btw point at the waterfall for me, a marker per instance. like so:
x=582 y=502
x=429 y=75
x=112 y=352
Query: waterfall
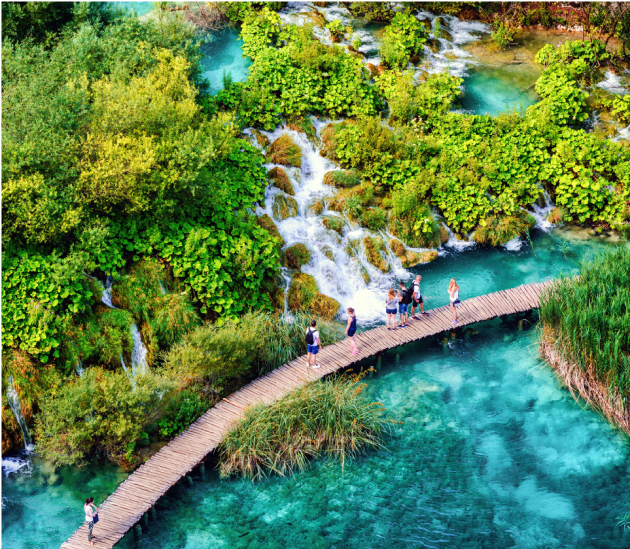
x=14 y=402
x=80 y=368
x=107 y=292
x=139 y=354
x=122 y=362
x=540 y=213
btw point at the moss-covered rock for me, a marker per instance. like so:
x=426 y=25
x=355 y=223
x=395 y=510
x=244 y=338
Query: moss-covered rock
x=373 y=70
x=267 y=223
x=375 y=252
x=342 y=178
x=261 y=139
x=304 y=296
x=501 y=229
x=294 y=257
x=353 y=247
x=279 y=178
x=364 y=274
x=316 y=207
x=334 y=223
x=409 y=258
x=327 y=251
x=284 y=151
x=303 y=124
x=283 y=207
x=444 y=236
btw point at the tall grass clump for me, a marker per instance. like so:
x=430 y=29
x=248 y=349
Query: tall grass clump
x=331 y=417
x=586 y=333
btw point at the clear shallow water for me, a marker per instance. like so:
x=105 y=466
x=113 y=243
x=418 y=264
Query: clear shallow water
x=489 y=90
x=492 y=453
x=224 y=53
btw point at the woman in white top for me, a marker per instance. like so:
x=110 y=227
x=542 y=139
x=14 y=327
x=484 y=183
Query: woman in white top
x=391 y=304
x=90 y=511
x=453 y=292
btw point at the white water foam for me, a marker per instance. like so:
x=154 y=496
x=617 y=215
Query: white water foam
x=514 y=245
x=139 y=354
x=612 y=84
x=16 y=407
x=12 y=465
x=107 y=292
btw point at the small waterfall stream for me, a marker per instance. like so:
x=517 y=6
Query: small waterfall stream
x=14 y=402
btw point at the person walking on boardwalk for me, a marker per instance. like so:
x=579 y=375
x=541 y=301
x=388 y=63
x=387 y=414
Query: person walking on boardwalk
x=417 y=299
x=453 y=293
x=391 y=304
x=351 y=329
x=91 y=513
x=404 y=300
x=312 y=344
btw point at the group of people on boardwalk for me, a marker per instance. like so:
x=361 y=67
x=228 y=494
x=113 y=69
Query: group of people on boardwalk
x=400 y=303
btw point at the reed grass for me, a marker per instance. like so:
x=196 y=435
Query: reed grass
x=585 y=324
x=323 y=418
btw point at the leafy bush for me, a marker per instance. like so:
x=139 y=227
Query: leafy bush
x=336 y=28
x=586 y=319
x=283 y=436
x=342 y=178
x=411 y=220
x=260 y=30
x=621 y=108
x=372 y=11
x=374 y=219
x=500 y=230
x=503 y=34
x=97 y=414
x=591 y=52
x=183 y=409
x=562 y=95
x=403 y=39
x=304 y=296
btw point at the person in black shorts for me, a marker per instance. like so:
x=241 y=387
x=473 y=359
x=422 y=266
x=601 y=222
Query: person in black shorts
x=404 y=300
x=351 y=329
x=417 y=299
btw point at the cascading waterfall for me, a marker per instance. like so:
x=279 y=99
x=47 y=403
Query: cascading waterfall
x=107 y=293
x=139 y=354
x=540 y=213
x=338 y=262
x=14 y=402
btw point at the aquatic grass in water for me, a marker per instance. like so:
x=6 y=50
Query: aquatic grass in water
x=586 y=332
x=329 y=417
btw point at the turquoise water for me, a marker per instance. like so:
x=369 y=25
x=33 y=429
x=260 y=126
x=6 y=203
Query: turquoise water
x=489 y=90
x=224 y=53
x=141 y=8
x=492 y=453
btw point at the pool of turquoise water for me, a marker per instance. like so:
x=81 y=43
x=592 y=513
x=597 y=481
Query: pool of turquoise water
x=492 y=90
x=223 y=54
x=492 y=452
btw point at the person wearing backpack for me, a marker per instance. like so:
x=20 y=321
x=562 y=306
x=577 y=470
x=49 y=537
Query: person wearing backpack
x=417 y=299
x=404 y=300
x=312 y=344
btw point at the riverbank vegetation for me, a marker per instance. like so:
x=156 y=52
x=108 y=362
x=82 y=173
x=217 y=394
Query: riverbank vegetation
x=119 y=165
x=323 y=418
x=585 y=334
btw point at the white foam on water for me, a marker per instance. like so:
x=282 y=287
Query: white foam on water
x=12 y=465
x=514 y=245
x=456 y=244
x=16 y=407
x=107 y=292
x=612 y=84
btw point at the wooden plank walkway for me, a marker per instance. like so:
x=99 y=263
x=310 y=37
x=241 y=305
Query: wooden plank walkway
x=136 y=495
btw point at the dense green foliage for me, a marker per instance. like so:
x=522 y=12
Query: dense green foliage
x=403 y=40
x=101 y=413
x=329 y=417
x=588 y=321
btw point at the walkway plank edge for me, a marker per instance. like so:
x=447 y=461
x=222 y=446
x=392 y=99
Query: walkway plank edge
x=141 y=490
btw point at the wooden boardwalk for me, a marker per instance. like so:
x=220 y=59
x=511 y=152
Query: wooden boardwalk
x=136 y=495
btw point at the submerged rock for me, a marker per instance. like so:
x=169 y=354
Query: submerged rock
x=284 y=206
x=279 y=178
x=375 y=252
x=316 y=207
x=267 y=223
x=294 y=257
x=304 y=296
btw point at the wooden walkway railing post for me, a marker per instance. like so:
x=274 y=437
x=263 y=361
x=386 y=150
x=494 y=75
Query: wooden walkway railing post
x=138 y=494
